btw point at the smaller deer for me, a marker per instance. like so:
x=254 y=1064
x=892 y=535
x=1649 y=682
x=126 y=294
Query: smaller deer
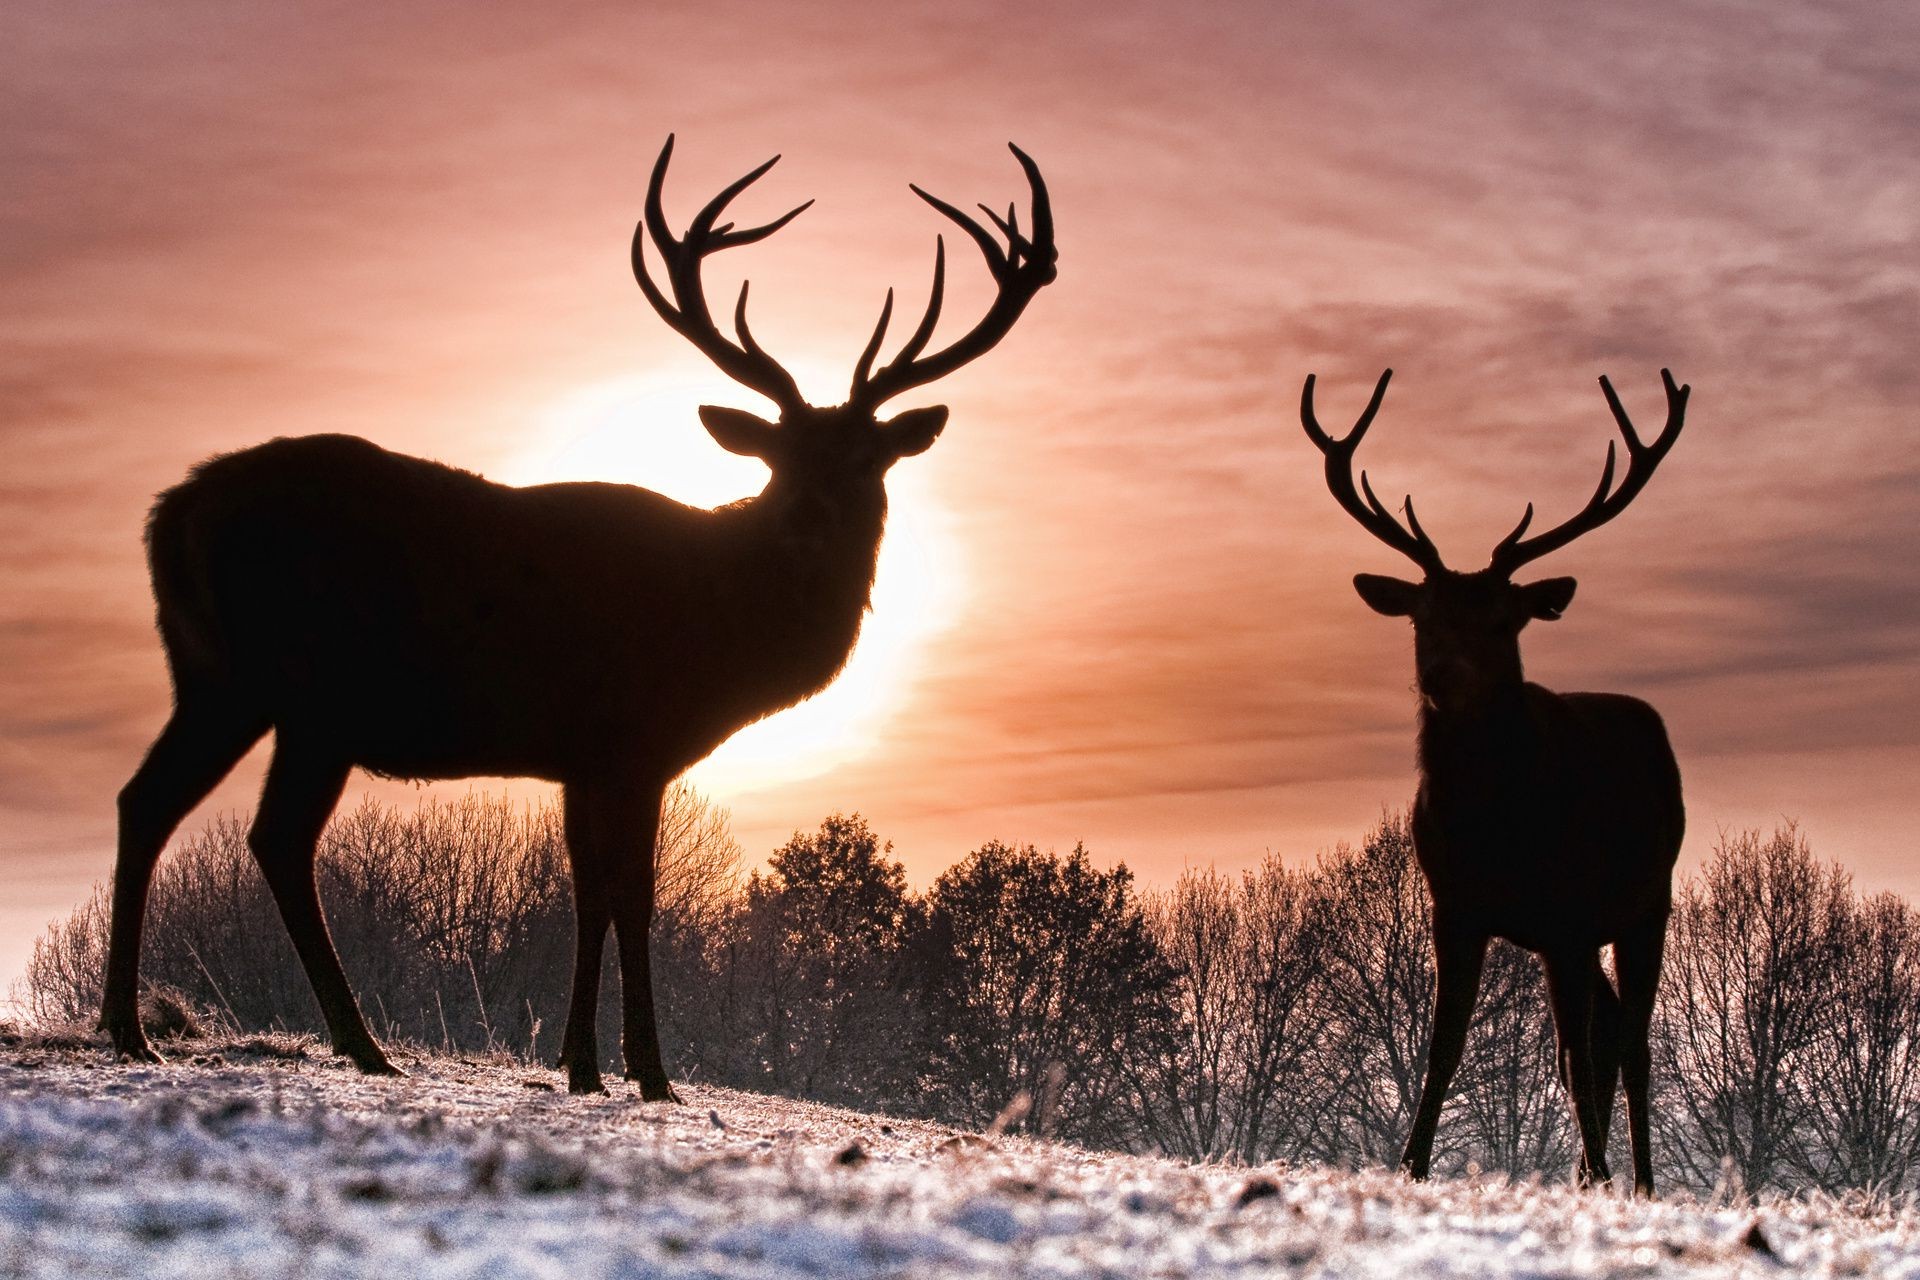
x=1552 y=820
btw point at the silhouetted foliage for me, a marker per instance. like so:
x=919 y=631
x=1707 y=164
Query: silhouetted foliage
x=1044 y=991
x=806 y=973
x=1235 y=1075
x=1758 y=951
x=454 y=922
x=1281 y=1014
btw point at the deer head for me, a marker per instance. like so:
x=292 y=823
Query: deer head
x=1467 y=625
x=845 y=442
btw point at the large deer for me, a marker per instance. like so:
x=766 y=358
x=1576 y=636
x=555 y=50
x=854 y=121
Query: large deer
x=392 y=613
x=1552 y=820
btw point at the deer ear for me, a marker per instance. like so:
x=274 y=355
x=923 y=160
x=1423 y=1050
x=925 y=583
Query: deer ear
x=738 y=431
x=1548 y=598
x=914 y=431
x=1390 y=596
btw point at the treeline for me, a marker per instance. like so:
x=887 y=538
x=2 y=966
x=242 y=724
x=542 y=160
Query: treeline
x=1279 y=1014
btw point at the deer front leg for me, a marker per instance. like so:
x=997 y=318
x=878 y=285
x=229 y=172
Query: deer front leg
x=632 y=824
x=1570 y=986
x=1637 y=957
x=1458 y=955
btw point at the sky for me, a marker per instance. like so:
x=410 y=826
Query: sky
x=1114 y=604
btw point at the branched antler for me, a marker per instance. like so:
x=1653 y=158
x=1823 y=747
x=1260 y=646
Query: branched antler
x=688 y=313
x=1020 y=269
x=1603 y=506
x=1411 y=540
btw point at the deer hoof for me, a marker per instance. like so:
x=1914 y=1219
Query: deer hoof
x=372 y=1062
x=130 y=1045
x=656 y=1089
x=584 y=1082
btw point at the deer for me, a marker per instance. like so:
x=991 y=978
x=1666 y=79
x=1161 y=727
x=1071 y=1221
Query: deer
x=395 y=614
x=1551 y=820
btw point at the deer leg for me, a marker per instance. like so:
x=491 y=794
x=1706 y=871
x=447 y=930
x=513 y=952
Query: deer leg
x=201 y=741
x=299 y=794
x=629 y=822
x=580 y=1045
x=1570 y=986
x=1458 y=956
x=1636 y=958
x=1603 y=1044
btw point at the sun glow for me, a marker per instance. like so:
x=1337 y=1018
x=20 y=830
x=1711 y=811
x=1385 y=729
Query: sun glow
x=644 y=430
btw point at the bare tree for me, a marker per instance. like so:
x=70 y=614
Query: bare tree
x=1245 y=957
x=1376 y=959
x=1759 y=945
x=1863 y=1070
x=1507 y=1113
x=452 y=920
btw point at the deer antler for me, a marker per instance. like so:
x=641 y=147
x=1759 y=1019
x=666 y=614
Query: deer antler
x=1371 y=513
x=1020 y=269
x=1603 y=506
x=687 y=314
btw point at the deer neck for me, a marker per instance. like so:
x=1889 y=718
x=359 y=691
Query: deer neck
x=816 y=545
x=1481 y=740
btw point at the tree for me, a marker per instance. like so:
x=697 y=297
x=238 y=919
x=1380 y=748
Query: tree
x=453 y=920
x=1377 y=984
x=808 y=967
x=1863 y=1069
x=1756 y=954
x=1245 y=958
x=1044 y=992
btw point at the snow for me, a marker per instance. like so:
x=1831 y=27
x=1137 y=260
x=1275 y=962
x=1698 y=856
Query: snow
x=270 y=1157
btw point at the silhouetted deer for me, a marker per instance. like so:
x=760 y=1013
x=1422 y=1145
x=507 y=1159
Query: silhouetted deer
x=1551 y=820
x=393 y=613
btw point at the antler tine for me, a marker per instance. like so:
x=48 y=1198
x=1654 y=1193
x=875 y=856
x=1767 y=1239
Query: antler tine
x=1642 y=459
x=935 y=296
x=687 y=313
x=923 y=331
x=865 y=366
x=1020 y=269
x=1362 y=504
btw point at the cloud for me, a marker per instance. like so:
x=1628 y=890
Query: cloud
x=228 y=225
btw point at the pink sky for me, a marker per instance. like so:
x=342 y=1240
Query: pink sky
x=1119 y=608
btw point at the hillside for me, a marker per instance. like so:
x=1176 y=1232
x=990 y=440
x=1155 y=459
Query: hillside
x=266 y=1157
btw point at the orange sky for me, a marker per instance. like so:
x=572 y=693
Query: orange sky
x=1116 y=608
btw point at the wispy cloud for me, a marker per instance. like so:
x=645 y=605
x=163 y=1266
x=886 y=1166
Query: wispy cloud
x=226 y=223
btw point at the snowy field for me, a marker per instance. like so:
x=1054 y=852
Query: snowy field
x=270 y=1158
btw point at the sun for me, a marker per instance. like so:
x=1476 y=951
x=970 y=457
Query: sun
x=643 y=430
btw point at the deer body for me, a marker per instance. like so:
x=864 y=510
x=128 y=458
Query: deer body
x=1551 y=820
x=395 y=614
x=1548 y=819
x=426 y=623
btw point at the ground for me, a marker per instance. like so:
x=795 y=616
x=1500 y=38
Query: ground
x=266 y=1156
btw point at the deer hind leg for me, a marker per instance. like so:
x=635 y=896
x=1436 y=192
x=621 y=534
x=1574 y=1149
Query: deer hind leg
x=1458 y=956
x=299 y=794
x=1636 y=958
x=592 y=913
x=1603 y=1044
x=202 y=741
x=1570 y=986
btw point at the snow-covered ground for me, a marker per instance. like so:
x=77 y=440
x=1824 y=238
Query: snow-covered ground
x=255 y=1158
